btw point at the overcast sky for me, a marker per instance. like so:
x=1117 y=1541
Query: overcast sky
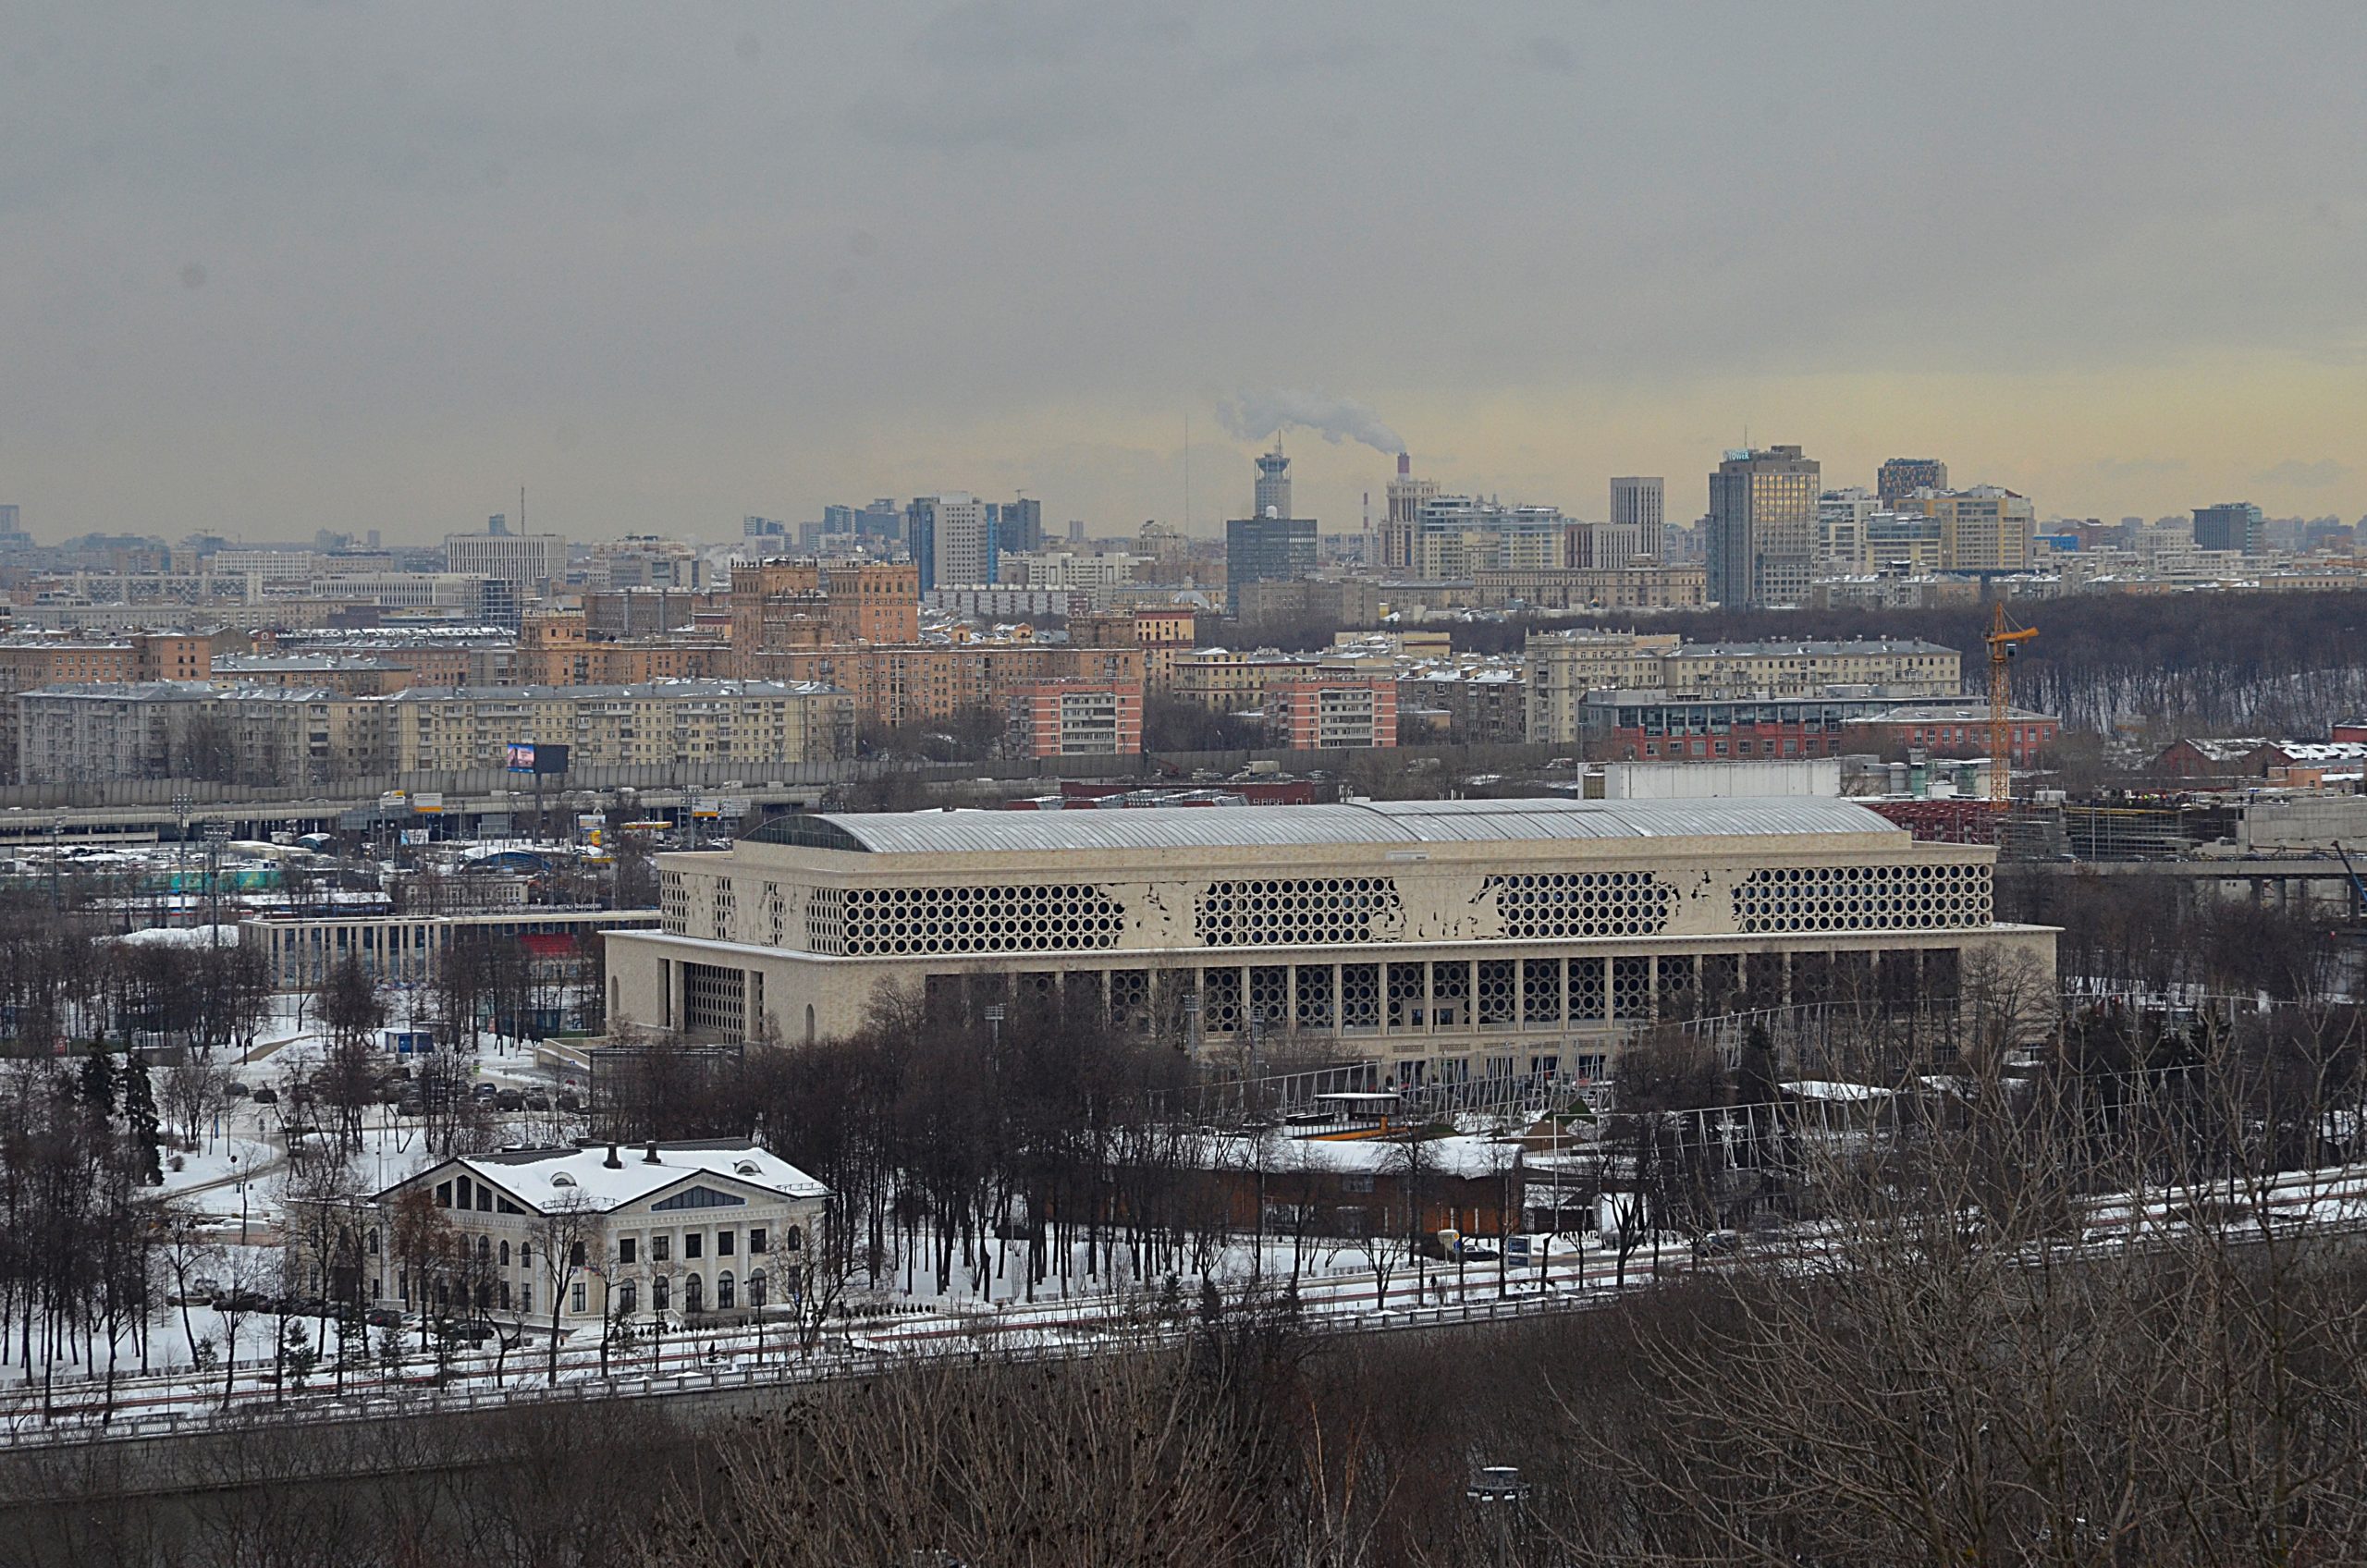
x=269 y=265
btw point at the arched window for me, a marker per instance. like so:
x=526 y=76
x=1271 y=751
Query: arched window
x=505 y=1253
x=484 y=1248
x=659 y=1290
x=809 y=1024
x=723 y=1292
x=693 y=1294
x=796 y=1237
x=757 y=1288
x=627 y=1298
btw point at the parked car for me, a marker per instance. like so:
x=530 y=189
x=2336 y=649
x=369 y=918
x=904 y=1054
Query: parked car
x=485 y=1091
x=235 y=1089
x=538 y=1099
x=384 y=1317
x=510 y=1099
x=267 y=1096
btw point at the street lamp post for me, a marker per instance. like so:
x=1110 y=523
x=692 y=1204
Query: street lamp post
x=1500 y=1496
x=1257 y=1124
x=239 y=1181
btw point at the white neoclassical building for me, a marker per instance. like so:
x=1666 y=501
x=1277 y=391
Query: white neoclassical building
x=688 y=1229
x=1450 y=939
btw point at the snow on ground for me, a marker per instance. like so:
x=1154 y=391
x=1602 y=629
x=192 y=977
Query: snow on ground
x=183 y=937
x=209 y=1175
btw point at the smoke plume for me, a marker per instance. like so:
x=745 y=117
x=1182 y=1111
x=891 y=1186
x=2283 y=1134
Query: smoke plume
x=1252 y=416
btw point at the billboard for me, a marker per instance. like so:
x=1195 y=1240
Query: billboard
x=427 y=803
x=525 y=756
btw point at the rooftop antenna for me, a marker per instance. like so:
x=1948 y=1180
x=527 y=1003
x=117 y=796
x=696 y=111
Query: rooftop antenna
x=521 y=508
x=1187 y=473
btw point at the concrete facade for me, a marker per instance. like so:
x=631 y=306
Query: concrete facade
x=1430 y=934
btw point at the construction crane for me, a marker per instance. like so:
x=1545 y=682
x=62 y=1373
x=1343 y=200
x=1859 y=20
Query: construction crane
x=2004 y=641
x=2358 y=882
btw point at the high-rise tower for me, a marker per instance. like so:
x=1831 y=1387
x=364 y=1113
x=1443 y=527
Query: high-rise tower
x=1273 y=495
x=1403 y=522
x=1762 y=527
x=1637 y=503
x=1901 y=477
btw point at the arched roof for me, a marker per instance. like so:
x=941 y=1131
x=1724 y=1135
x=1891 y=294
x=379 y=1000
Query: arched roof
x=1371 y=822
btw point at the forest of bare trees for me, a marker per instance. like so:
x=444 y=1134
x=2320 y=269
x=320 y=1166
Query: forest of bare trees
x=2094 y=1308
x=2204 y=663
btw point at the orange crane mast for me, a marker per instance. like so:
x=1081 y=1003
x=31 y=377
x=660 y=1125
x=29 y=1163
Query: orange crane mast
x=2004 y=641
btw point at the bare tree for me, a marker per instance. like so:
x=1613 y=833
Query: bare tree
x=568 y=1233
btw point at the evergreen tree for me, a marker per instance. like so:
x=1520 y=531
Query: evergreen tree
x=98 y=1085
x=140 y=1118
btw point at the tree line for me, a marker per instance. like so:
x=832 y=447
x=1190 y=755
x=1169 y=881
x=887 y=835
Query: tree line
x=2059 y=1315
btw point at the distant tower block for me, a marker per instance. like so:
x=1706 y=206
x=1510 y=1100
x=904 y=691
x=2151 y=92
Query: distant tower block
x=1273 y=498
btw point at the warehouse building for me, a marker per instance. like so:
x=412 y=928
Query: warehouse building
x=1451 y=939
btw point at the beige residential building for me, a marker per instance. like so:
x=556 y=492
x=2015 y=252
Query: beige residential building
x=1986 y=527
x=1234 y=680
x=1563 y=667
x=663 y=721
x=1905 y=666
x=190 y=730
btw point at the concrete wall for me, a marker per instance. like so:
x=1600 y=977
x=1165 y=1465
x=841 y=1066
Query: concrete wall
x=1705 y=780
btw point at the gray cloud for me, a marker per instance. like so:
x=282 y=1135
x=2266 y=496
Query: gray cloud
x=433 y=235
x=956 y=124
x=1252 y=416
x=2304 y=476
x=1549 y=54
x=2122 y=470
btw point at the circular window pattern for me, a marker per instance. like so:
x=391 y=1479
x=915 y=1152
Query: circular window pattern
x=1583 y=904
x=1333 y=910
x=1058 y=917
x=1862 y=898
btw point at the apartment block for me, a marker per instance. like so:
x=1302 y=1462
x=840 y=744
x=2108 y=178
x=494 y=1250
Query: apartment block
x=1332 y=713
x=1073 y=718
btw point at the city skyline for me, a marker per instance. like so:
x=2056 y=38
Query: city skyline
x=373 y=271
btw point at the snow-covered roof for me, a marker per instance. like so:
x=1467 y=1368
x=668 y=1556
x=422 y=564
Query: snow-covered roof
x=1457 y=1154
x=1363 y=821
x=1825 y=1089
x=543 y=1179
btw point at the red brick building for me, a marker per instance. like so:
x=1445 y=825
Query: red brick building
x=1954 y=730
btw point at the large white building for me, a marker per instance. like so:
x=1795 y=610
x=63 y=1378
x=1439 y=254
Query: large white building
x=1451 y=938
x=675 y=1230
x=527 y=559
